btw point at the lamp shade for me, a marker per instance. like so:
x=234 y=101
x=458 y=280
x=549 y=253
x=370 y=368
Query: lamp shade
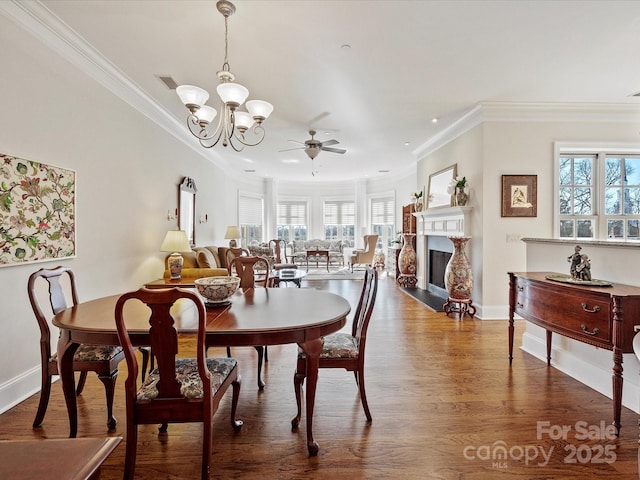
x=233 y=93
x=192 y=95
x=243 y=121
x=206 y=114
x=259 y=109
x=175 y=241
x=232 y=232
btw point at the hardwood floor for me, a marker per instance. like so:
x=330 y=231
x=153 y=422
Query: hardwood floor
x=441 y=393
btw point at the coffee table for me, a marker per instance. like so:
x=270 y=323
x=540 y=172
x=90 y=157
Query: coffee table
x=317 y=254
x=280 y=277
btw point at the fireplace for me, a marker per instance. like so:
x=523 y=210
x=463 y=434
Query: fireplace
x=439 y=251
x=437 y=265
x=434 y=249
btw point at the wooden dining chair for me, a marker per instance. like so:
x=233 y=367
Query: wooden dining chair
x=103 y=360
x=344 y=350
x=179 y=389
x=254 y=271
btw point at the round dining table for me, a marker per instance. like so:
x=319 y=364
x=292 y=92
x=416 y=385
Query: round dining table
x=260 y=316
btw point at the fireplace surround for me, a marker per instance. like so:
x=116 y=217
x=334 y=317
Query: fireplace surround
x=433 y=247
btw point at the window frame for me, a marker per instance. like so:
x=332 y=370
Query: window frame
x=384 y=196
x=292 y=227
x=600 y=151
x=246 y=237
x=340 y=227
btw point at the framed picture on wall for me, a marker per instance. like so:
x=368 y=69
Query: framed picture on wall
x=519 y=195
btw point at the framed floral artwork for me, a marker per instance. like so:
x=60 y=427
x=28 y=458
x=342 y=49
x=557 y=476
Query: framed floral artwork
x=519 y=195
x=37 y=212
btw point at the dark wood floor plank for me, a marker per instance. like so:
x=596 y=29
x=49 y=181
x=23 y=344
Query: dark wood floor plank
x=437 y=387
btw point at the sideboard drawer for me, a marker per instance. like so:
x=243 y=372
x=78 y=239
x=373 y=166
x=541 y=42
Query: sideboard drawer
x=583 y=317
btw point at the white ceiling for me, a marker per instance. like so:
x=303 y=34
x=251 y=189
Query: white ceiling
x=408 y=62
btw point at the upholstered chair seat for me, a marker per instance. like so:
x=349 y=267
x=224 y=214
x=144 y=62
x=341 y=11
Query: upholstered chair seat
x=189 y=378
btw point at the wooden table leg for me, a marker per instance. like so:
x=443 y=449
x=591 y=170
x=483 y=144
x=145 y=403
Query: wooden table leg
x=66 y=351
x=312 y=350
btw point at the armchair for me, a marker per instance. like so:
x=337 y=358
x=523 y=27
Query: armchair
x=364 y=257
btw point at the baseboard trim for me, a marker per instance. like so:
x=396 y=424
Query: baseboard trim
x=19 y=388
x=592 y=375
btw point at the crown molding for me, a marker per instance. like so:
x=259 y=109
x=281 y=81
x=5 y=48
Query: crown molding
x=40 y=22
x=471 y=119
x=560 y=112
x=530 y=112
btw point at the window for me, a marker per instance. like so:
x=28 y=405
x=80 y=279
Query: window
x=292 y=220
x=383 y=220
x=250 y=219
x=599 y=196
x=339 y=220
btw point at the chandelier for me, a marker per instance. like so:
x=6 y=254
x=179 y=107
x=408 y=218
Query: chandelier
x=232 y=123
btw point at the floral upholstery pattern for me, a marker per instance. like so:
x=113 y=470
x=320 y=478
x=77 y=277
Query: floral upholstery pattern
x=299 y=249
x=94 y=353
x=187 y=375
x=337 y=345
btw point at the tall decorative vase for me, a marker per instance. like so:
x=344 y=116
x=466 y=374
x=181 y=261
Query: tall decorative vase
x=458 y=279
x=461 y=197
x=406 y=264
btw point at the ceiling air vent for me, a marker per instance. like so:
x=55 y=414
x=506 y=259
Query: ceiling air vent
x=168 y=81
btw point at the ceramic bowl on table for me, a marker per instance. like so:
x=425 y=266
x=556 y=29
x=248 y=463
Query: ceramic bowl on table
x=217 y=290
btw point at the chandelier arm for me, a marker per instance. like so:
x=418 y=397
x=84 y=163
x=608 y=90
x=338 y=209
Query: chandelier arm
x=257 y=130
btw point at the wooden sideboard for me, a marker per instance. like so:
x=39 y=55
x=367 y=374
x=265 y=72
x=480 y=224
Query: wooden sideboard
x=599 y=316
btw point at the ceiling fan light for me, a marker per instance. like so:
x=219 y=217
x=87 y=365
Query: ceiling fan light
x=243 y=121
x=206 y=114
x=232 y=94
x=312 y=152
x=259 y=109
x=193 y=97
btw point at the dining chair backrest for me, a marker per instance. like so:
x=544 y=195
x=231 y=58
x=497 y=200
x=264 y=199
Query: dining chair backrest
x=365 y=308
x=163 y=338
x=57 y=299
x=252 y=271
x=233 y=253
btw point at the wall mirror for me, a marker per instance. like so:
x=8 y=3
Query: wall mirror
x=187 y=208
x=437 y=195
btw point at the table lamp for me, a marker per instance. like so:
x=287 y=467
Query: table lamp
x=175 y=241
x=232 y=233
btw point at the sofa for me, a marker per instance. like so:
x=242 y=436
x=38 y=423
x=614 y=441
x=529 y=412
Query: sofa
x=201 y=262
x=297 y=250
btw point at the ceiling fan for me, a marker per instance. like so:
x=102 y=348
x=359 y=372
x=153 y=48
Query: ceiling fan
x=312 y=147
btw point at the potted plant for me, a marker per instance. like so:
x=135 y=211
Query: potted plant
x=417 y=200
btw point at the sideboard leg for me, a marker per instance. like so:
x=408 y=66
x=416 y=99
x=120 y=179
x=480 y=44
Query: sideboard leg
x=549 y=333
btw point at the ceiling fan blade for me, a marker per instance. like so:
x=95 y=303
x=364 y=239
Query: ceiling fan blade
x=334 y=150
x=289 y=149
x=330 y=142
x=296 y=141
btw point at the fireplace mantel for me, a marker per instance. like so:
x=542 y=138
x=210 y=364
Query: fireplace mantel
x=447 y=221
